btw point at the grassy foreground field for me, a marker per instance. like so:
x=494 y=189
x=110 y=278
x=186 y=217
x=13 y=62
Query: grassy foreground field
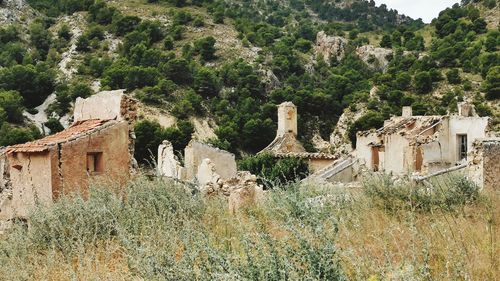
x=158 y=231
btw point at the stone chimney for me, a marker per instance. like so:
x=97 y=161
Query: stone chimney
x=287 y=119
x=407 y=111
x=466 y=109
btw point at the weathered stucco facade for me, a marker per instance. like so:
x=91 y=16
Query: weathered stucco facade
x=64 y=163
x=101 y=147
x=420 y=144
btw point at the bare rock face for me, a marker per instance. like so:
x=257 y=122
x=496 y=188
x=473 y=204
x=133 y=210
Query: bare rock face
x=330 y=46
x=376 y=58
x=339 y=139
x=16 y=11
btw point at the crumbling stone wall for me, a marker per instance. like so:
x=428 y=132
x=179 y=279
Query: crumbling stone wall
x=195 y=152
x=168 y=164
x=5 y=186
x=106 y=105
x=484 y=163
x=110 y=105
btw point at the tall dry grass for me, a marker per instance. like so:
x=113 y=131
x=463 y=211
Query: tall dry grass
x=160 y=231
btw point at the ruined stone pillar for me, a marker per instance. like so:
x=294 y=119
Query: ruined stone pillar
x=168 y=165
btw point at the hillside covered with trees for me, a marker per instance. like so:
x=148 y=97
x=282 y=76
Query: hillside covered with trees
x=232 y=62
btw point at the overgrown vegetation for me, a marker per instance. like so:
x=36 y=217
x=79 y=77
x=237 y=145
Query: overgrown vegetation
x=157 y=230
x=274 y=172
x=447 y=194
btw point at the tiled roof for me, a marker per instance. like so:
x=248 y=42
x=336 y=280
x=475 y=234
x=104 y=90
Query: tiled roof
x=76 y=130
x=308 y=155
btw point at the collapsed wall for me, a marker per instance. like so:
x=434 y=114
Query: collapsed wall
x=212 y=170
x=484 y=163
x=195 y=152
x=110 y=105
x=168 y=163
x=106 y=105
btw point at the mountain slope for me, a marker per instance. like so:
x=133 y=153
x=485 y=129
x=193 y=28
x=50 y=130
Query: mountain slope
x=226 y=64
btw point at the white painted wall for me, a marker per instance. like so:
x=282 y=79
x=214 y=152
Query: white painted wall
x=474 y=127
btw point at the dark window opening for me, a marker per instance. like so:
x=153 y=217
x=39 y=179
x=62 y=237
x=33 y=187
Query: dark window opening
x=94 y=163
x=462 y=147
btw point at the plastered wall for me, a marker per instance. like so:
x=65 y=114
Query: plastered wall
x=111 y=141
x=195 y=152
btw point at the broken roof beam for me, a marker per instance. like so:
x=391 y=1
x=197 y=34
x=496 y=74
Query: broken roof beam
x=441 y=172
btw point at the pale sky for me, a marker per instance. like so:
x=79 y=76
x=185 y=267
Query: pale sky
x=424 y=9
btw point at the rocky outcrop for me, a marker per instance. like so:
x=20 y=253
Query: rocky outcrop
x=16 y=11
x=339 y=139
x=330 y=46
x=375 y=58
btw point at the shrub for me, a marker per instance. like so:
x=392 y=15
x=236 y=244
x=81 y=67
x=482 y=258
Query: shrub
x=442 y=193
x=10 y=135
x=423 y=82
x=273 y=171
x=206 y=48
x=453 y=76
x=12 y=104
x=54 y=125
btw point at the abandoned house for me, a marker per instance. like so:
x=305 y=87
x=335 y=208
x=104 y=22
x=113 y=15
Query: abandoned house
x=421 y=144
x=65 y=162
x=286 y=144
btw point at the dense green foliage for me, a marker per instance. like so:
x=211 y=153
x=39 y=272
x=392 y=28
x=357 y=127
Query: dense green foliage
x=150 y=134
x=275 y=172
x=162 y=64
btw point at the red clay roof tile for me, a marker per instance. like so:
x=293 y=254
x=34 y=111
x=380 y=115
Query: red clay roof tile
x=77 y=129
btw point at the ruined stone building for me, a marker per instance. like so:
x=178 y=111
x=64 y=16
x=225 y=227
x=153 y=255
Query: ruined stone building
x=65 y=162
x=286 y=144
x=212 y=171
x=421 y=144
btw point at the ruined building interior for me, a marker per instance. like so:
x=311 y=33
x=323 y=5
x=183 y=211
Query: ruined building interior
x=421 y=144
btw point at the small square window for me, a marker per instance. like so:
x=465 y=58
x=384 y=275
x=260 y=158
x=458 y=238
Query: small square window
x=94 y=163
